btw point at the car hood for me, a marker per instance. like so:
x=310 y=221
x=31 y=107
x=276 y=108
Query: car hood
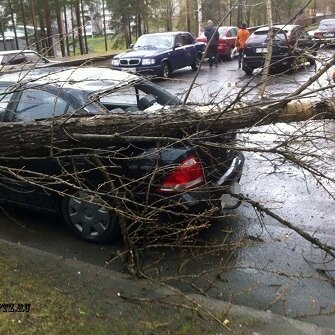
x=141 y=53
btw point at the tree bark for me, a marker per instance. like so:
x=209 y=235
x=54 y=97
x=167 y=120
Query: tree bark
x=29 y=139
x=268 y=57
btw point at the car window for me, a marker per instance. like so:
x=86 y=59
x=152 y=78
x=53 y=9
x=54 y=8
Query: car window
x=178 y=40
x=34 y=58
x=261 y=36
x=13 y=59
x=128 y=96
x=233 y=32
x=122 y=96
x=4 y=100
x=222 y=31
x=36 y=104
x=186 y=39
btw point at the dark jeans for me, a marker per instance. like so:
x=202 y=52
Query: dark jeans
x=212 y=53
x=240 y=56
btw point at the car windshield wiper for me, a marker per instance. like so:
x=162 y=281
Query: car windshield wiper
x=149 y=46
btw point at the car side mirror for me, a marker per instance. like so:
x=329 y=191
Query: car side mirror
x=178 y=45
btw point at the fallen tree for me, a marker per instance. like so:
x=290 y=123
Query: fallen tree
x=183 y=123
x=44 y=137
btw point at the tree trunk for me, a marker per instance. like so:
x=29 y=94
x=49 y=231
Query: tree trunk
x=60 y=28
x=47 y=137
x=268 y=57
x=13 y=24
x=79 y=26
x=48 y=23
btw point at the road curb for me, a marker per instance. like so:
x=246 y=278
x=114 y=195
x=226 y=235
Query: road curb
x=238 y=319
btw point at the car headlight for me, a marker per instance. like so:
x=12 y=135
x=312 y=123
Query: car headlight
x=148 y=61
x=115 y=62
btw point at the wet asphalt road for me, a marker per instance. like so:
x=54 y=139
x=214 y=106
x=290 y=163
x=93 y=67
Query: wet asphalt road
x=270 y=267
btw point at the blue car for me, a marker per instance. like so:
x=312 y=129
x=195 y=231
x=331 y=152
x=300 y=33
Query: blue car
x=160 y=54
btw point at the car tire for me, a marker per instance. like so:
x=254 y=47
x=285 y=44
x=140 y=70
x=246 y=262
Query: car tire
x=196 y=64
x=166 y=70
x=89 y=221
x=247 y=69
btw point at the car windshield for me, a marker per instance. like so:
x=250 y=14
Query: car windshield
x=326 y=25
x=129 y=96
x=154 y=41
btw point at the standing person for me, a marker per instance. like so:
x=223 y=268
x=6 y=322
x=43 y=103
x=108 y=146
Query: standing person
x=212 y=36
x=241 y=38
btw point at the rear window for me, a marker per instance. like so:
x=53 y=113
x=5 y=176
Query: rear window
x=13 y=59
x=261 y=36
x=222 y=31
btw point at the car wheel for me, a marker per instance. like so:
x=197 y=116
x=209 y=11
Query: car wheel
x=196 y=64
x=247 y=69
x=166 y=70
x=89 y=220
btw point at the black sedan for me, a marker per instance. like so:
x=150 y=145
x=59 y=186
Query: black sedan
x=292 y=46
x=92 y=187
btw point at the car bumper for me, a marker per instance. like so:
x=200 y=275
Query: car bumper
x=276 y=61
x=146 y=70
x=212 y=196
x=324 y=40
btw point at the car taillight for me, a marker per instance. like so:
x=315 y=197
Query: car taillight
x=188 y=174
x=318 y=34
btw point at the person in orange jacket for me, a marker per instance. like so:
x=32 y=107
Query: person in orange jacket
x=241 y=38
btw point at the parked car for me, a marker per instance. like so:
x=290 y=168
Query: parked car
x=160 y=54
x=226 y=42
x=13 y=60
x=175 y=178
x=292 y=46
x=326 y=31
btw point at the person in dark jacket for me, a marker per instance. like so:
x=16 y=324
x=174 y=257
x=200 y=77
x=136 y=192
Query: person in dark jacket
x=212 y=36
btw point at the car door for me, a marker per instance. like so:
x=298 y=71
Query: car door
x=189 y=49
x=231 y=37
x=177 y=56
x=19 y=180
